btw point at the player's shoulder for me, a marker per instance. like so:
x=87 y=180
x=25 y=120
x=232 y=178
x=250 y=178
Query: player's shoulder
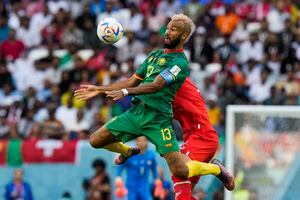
x=180 y=58
x=180 y=61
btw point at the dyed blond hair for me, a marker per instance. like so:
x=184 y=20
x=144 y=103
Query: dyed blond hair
x=189 y=26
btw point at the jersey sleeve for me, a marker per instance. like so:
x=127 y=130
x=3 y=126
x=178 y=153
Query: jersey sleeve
x=177 y=71
x=141 y=71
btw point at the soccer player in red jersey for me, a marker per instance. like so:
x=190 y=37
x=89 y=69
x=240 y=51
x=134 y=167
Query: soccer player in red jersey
x=200 y=139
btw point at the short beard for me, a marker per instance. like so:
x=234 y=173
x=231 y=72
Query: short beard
x=173 y=43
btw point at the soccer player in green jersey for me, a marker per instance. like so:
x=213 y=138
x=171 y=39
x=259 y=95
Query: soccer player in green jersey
x=153 y=88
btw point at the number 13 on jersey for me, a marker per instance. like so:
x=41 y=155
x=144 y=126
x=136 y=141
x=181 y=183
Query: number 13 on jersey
x=166 y=134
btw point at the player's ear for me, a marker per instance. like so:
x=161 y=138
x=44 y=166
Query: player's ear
x=184 y=36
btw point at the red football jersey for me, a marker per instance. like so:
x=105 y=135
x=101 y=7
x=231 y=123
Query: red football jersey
x=190 y=110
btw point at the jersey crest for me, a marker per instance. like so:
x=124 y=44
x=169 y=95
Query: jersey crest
x=162 y=61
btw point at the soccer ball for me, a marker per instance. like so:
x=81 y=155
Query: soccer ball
x=109 y=31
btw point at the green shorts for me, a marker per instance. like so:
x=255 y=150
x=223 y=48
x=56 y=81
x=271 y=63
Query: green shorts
x=142 y=120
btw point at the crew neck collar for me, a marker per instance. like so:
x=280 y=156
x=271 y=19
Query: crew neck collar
x=173 y=50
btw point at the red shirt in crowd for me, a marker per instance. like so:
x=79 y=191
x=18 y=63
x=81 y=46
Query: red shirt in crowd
x=11 y=49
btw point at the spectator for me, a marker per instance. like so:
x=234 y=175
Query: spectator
x=11 y=48
x=241 y=33
x=194 y=10
x=226 y=51
x=81 y=122
x=65 y=82
x=261 y=90
x=30 y=98
x=277 y=97
x=4 y=28
x=51 y=34
x=52 y=128
x=4 y=127
x=76 y=72
x=18 y=188
x=96 y=7
x=252 y=70
x=84 y=17
x=295 y=48
x=169 y=7
x=262 y=9
x=289 y=84
x=227 y=23
x=287 y=35
x=214 y=111
x=90 y=38
x=251 y=49
x=90 y=110
x=201 y=50
x=28 y=35
x=26 y=123
x=111 y=10
x=41 y=19
x=155 y=20
x=6 y=76
x=15 y=13
x=55 y=95
x=277 y=17
x=98 y=187
x=134 y=22
x=138 y=168
x=72 y=35
x=8 y=95
x=52 y=73
x=274 y=53
x=67 y=115
x=145 y=32
x=33 y=7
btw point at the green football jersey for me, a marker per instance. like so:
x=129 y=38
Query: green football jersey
x=173 y=67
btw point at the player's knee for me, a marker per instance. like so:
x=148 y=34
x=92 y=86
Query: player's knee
x=96 y=140
x=180 y=171
x=93 y=141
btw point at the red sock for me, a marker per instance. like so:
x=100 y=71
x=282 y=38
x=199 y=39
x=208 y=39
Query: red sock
x=193 y=198
x=182 y=188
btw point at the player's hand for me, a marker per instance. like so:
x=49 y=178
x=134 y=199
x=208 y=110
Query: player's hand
x=115 y=94
x=86 y=92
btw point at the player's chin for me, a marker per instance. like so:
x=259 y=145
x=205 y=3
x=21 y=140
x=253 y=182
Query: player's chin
x=167 y=45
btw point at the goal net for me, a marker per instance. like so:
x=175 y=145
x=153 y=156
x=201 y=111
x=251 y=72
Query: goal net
x=262 y=150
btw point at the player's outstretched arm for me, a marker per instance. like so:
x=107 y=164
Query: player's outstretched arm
x=158 y=83
x=89 y=91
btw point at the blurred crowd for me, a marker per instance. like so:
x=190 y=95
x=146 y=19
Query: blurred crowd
x=242 y=52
